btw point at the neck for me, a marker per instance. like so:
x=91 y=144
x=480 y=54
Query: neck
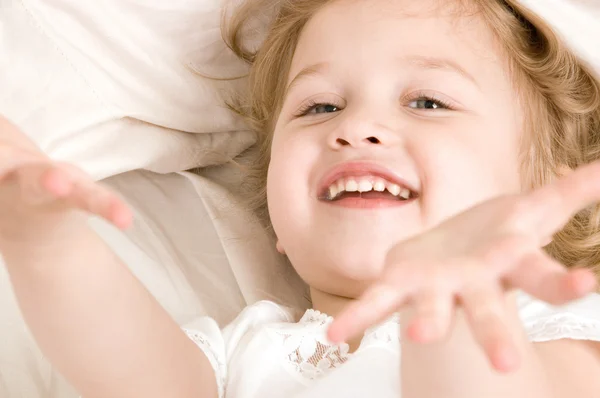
x=332 y=305
x=327 y=303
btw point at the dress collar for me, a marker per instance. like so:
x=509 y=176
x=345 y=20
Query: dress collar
x=385 y=334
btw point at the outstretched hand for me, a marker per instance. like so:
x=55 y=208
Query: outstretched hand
x=471 y=260
x=33 y=186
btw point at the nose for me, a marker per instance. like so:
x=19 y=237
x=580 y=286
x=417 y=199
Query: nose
x=359 y=135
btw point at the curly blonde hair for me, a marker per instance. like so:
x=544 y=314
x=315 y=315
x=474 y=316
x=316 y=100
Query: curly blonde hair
x=560 y=94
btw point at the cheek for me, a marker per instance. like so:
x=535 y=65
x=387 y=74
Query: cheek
x=459 y=172
x=288 y=185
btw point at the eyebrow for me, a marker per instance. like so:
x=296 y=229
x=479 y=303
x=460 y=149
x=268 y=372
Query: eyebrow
x=309 y=71
x=420 y=61
x=426 y=62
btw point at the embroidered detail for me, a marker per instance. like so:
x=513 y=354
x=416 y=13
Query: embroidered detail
x=310 y=355
x=563 y=326
x=315 y=317
x=386 y=335
x=219 y=366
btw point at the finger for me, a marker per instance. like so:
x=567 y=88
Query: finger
x=377 y=304
x=11 y=159
x=541 y=276
x=42 y=183
x=120 y=214
x=554 y=204
x=79 y=191
x=499 y=256
x=486 y=312
x=433 y=313
x=96 y=199
x=56 y=182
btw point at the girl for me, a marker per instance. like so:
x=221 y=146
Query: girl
x=402 y=139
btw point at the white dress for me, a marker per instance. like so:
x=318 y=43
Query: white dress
x=271 y=351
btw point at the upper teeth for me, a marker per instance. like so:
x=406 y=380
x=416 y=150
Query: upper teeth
x=366 y=184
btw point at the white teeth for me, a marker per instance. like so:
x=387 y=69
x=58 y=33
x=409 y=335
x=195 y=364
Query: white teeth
x=365 y=186
x=351 y=186
x=379 y=186
x=394 y=189
x=333 y=191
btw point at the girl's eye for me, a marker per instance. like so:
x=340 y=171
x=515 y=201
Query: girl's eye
x=326 y=108
x=428 y=103
x=317 y=109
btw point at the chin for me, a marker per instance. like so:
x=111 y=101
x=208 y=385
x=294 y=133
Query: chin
x=366 y=271
x=350 y=279
x=343 y=287
x=346 y=276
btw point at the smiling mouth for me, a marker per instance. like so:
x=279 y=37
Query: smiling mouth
x=366 y=188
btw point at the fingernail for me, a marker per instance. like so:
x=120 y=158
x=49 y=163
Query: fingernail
x=120 y=216
x=506 y=359
x=332 y=336
x=422 y=332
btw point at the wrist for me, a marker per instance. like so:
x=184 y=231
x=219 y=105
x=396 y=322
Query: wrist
x=36 y=233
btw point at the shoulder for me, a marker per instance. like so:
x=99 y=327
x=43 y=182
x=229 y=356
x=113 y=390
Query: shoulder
x=255 y=316
x=219 y=345
x=207 y=333
x=579 y=320
x=267 y=312
x=567 y=342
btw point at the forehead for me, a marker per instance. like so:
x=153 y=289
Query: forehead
x=366 y=33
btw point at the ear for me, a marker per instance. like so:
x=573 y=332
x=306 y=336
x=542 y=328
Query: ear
x=564 y=170
x=279 y=247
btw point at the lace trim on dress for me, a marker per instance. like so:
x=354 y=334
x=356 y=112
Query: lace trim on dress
x=219 y=366
x=310 y=355
x=563 y=326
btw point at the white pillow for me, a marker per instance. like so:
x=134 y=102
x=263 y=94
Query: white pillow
x=111 y=85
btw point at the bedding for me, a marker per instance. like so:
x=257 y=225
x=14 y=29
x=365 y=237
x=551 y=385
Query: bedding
x=116 y=87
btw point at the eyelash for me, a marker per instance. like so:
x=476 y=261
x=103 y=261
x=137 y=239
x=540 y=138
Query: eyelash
x=312 y=104
x=445 y=105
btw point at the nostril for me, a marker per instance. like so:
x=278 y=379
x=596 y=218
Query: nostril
x=342 y=141
x=373 y=140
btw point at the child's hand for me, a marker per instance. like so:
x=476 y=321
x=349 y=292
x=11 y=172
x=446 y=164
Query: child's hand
x=33 y=188
x=471 y=260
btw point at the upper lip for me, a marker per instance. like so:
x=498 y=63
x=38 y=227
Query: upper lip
x=359 y=169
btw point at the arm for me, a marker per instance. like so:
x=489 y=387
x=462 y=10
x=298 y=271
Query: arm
x=96 y=322
x=87 y=311
x=459 y=368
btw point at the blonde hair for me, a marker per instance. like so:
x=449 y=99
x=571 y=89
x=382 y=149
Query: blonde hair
x=559 y=92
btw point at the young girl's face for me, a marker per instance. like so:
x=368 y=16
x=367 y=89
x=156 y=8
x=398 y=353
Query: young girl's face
x=394 y=93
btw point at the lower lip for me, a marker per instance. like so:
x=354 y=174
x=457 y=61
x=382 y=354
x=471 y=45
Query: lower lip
x=360 y=203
